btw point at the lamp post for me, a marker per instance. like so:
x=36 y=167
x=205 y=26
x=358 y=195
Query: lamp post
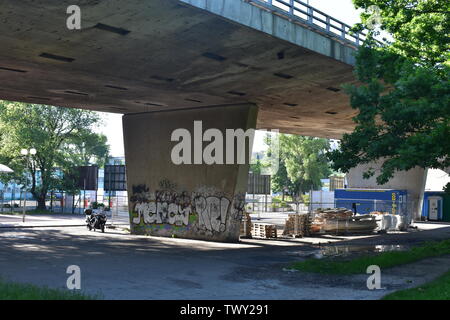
x=27 y=154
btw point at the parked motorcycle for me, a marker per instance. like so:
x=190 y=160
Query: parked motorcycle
x=95 y=220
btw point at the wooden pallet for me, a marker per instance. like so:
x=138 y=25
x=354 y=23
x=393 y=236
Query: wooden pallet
x=297 y=225
x=264 y=230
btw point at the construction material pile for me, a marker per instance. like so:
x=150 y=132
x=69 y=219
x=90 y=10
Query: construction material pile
x=378 y=213
x=264 y=230
x=297 y=225
x=341 y=220
x=246 y=226
x=337 y=213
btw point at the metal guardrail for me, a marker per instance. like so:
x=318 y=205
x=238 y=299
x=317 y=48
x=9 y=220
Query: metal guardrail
x=308 y=16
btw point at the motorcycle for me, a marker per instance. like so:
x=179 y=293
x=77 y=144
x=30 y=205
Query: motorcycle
x=95 y=220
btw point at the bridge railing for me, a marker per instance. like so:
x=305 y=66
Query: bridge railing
x=309 y=16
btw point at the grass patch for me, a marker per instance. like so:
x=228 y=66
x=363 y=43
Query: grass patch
x=383 y=260
x=438 y=289
x=19 y=291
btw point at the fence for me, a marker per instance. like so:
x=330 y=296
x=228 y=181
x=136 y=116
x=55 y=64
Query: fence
x=63 y=203
x=262 y=204
x=117 y=205
x=306 y=15
x=388 y=215
x=14 y=201
x=360 y=206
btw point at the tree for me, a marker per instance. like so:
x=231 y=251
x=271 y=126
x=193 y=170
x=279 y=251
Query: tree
x=255 y=167
x=403 y=97
x=302 y=164
x=87 y=148
x=282 y=183
x=61 y=136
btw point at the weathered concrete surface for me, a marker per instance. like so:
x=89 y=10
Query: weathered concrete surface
x=175 y=55
x=413 y=181
x=194 y=201
x=251 y=14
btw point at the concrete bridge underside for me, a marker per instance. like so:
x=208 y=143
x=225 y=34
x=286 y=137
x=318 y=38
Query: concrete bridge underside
x=140 y=56
x=165 y=64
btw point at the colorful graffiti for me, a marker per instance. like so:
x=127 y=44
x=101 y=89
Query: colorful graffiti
x=211 y=210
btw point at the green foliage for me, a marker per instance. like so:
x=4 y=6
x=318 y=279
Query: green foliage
x=280 y=180
x=19 y=291
x=87 y=148
x=277 y=203
x=438 y=289
x=403 y=97
x=419 y=28
x=256 y=167
x=61 y=136
x=302 y=164
x=96 y=205
x=306 y=199
x=383 y=260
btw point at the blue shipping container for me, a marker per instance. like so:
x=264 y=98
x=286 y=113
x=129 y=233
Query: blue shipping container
x=369 y=200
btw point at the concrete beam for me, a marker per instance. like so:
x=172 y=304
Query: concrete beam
x=194 y=201
x=248 y=13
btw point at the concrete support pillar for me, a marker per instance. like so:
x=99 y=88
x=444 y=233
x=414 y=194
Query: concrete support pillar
x=413 y=181
x=196 y=200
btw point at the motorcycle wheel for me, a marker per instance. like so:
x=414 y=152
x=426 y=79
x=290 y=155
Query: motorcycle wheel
x=89 y=227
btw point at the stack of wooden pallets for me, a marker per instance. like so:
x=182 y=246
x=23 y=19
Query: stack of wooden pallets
x=264 y=230
x=297 y=225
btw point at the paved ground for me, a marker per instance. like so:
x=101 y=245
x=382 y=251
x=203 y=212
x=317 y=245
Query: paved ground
x=68 y=219
x=9 y=220
x=121 y=266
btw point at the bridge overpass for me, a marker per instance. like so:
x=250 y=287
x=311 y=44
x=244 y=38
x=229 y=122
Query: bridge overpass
x=169 y=54
x=164 y=64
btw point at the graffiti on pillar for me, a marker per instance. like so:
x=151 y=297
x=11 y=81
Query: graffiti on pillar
x=140 y=193
x=212 y=212
x=205 y=210
x=160 y=207
x=238 y=209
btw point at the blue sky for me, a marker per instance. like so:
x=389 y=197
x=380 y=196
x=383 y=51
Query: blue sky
x=342 y=10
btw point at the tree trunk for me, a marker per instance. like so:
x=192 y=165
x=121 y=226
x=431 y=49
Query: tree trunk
x=41 y=202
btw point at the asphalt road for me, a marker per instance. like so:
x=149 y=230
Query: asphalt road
x=121 y=266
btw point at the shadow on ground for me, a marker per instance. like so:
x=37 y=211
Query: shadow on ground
x=122 y=266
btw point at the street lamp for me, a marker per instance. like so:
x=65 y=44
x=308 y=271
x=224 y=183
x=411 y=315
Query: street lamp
x=26 y=153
